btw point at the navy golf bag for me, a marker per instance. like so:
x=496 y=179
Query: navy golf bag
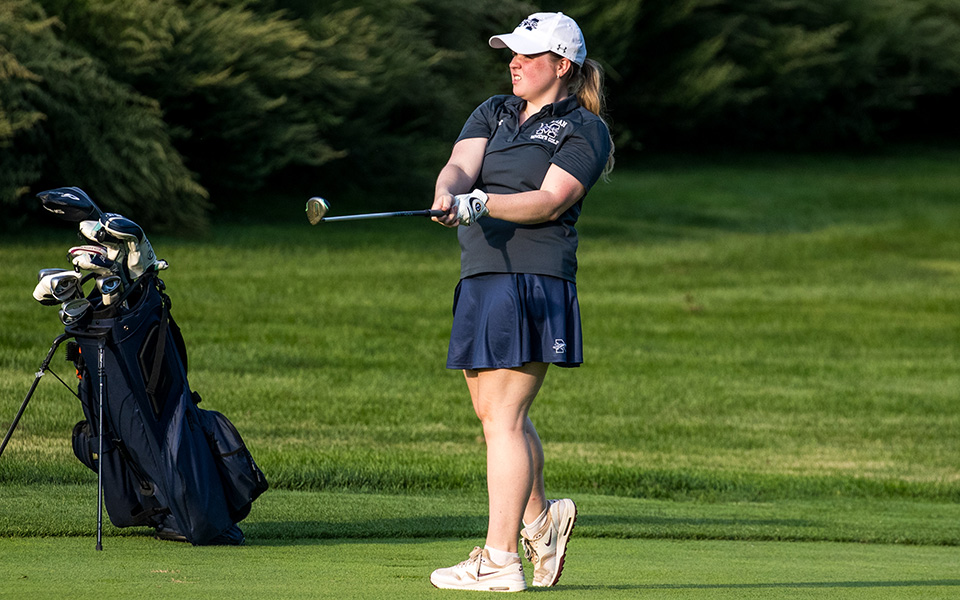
x=167 y=463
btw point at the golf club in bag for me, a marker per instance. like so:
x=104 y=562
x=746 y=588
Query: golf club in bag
x=161 y=461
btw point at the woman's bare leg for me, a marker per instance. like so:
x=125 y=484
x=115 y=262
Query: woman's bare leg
x=502 y=398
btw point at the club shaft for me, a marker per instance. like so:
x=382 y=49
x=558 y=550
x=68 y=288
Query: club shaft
x=382 y=215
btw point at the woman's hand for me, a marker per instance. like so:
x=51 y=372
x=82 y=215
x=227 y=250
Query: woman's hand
x=444 y=201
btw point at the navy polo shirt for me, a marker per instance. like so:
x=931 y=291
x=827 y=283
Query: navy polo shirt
x=516 y=160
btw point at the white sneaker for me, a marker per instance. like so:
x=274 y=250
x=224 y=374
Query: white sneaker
x=547 y=547
x=480 y=573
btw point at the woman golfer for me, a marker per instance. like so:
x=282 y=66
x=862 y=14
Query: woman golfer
x=530 y=159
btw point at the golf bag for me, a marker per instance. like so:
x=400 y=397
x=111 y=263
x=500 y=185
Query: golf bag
x=167 y=463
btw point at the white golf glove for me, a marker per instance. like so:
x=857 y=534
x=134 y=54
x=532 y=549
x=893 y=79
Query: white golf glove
x=471 y=207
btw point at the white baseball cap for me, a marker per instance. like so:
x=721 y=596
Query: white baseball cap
x=545 y=32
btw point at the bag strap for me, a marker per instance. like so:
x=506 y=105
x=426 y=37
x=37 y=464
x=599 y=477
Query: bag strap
x=161 y=346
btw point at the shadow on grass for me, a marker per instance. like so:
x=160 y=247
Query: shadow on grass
x=463 y=526
x=783 y=585
x=603 y=520
x=765 y=586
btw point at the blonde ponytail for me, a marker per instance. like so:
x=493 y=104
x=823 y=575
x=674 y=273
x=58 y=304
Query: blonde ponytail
x=587 y=84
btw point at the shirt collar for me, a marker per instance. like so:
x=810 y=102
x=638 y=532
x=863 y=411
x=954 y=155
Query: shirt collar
x=567 y=105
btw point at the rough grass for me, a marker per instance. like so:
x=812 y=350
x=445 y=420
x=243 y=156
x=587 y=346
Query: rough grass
x=756 y=329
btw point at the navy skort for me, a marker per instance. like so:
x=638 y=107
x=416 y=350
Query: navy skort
x=504 y=320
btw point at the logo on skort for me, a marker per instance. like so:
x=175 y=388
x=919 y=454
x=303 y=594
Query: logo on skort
x=559 y=346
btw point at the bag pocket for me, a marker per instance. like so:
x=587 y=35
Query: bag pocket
x=242 y=479
x=82 y=437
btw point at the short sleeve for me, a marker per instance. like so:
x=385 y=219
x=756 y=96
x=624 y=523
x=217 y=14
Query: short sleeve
x=483 y=121
x=584 y=154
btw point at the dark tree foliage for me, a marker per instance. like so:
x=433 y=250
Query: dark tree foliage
x=788 y=74
x=69 y=123
x=162 y=109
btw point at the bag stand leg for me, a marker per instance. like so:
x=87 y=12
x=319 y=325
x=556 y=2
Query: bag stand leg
x=102 y=375
x=43 y=368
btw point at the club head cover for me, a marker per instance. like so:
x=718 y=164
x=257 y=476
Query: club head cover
x=95 y=249
x=88 y=229
x=121 y=228
x=141 y=258
x=93 y=231
x=140 y=255
x=70 y=204
x=95 y=263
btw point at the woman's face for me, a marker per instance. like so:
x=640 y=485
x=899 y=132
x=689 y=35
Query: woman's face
x=533 y=74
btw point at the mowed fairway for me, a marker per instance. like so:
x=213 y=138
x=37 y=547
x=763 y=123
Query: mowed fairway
x=768 y=408
x=142 y=568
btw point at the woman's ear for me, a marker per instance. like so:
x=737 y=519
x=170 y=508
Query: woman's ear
x=563 y=67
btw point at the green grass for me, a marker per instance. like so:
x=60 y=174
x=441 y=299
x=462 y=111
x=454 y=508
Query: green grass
x=755 y=329
x=655 y=569
x=69 y=510
x=771 y=347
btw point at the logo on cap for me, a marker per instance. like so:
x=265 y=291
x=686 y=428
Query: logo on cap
x=530 y=24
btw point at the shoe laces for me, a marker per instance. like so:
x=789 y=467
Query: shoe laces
x=474 y=558
x=529 y=552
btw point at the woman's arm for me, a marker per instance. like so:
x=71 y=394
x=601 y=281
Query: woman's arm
x=558 y=192
x=458 y=176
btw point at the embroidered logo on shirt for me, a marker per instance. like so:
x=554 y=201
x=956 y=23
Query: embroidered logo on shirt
x=559 y=346
x=548 y=132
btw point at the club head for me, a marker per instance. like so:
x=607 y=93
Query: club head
x=110 y=288
x=70 y=204
x=67 y=287
x=108 y=284
x=317 y=208
x=73 y=310
x=58 y=287
x=44 y=272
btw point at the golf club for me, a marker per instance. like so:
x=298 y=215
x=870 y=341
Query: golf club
x=110 y=288
x=56 y=287
x=73 y=310
x=44 y=272
x=317 y=209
